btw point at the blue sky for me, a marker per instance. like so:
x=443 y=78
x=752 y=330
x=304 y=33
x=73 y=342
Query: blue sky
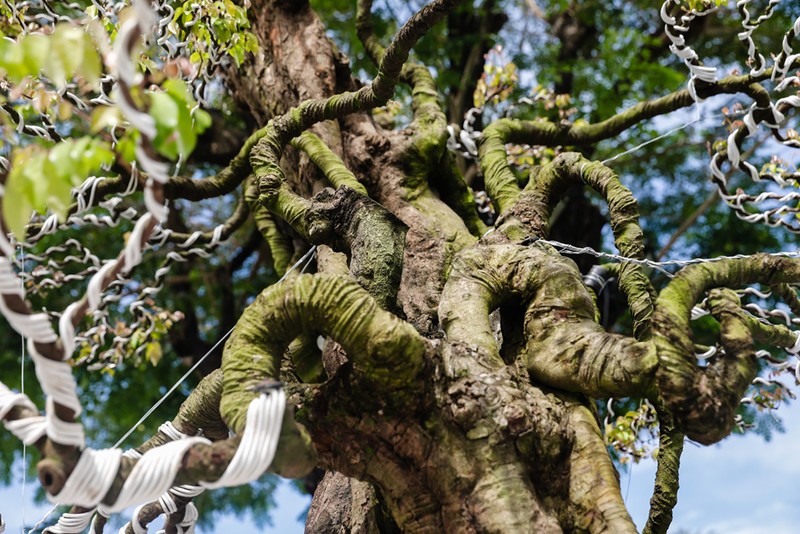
x=741 y=486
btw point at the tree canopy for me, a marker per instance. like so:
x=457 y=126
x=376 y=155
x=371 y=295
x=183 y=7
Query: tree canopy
x=416 y=255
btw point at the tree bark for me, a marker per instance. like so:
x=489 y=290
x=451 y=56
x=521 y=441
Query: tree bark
x=479 y=446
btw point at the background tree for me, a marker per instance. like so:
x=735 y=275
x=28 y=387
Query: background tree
x=447 y=365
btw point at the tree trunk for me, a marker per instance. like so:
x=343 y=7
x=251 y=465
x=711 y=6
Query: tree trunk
x=480 y=448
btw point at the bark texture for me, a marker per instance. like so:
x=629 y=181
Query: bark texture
x=441 y=371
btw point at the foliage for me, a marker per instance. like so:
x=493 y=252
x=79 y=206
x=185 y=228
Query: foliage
x=42 y=179
x=67 y=51
x=538 y=62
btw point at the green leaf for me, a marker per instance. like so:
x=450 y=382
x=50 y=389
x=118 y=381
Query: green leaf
x=54 y=192
x=126 y=146
x=202 y=120
x=180 y=90
x=66 y=51
x=153 y=352
x=12 y=61
x=176 y=129
x=17 y=206
x=105 y=116
x=35 y=49
x=42 y=180
x=165 y=111
x=91 y=66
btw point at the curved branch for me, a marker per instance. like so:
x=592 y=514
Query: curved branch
x=546 y=188
x=280 y=245
x=427 y=148
x=374 y=237
x=788 y=295
x=548 y=133
x=328 y=162
x=500 y=180
x=665 y=492
x=365 y=30
x=457 y=194
x=567 y=349
x=564 y=347
x=387 y=351
x=265 y=156
x=703 y=400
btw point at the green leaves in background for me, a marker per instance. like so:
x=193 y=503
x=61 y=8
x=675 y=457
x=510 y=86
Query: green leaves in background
x=42 y=179
x=204 y=23
x=176 y=127
x=67 y=52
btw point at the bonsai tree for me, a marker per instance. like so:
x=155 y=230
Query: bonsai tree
x=409 y=285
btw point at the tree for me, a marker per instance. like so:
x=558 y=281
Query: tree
x=443 y=361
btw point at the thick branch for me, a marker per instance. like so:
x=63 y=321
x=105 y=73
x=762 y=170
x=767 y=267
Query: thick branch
x=265 y=157
x=548 y=185
x=703 y=400
x=328 y=162
x=373 y=236
x=594 y=486
x=565 y=347
x=386 y=350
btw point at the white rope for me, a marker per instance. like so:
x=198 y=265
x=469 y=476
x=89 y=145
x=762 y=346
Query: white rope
x=71 y=523
x=22 y=391
x=674 y=30
x=754 y=56
x=55 y=377
x=659 y=265
x=186 y=525
x=10 y=400
x=169 y=430
x=91 y=478
x=85 y=198
x=62 y=432
x=27 y=430
x=153 y=474
x=795 y=349
x=259 y=441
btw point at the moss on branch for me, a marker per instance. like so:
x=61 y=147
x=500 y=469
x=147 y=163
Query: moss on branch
x=665 y=492
x=788 y=295
x=567 y=349
x=385 y=350
x=593 y=484
x=280 y=245
x=373 y=236
x=703 y=400
x=530 y=216
x=564 y=346
x=500 y=180
x=328 y=162
x=365 y=29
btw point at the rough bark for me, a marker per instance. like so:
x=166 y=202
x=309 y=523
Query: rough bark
x=454 y=390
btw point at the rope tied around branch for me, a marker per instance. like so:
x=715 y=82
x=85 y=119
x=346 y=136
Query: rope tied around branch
x=154 y=472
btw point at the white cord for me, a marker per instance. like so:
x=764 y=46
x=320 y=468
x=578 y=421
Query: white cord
x=259 y=441
x=22 y=391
